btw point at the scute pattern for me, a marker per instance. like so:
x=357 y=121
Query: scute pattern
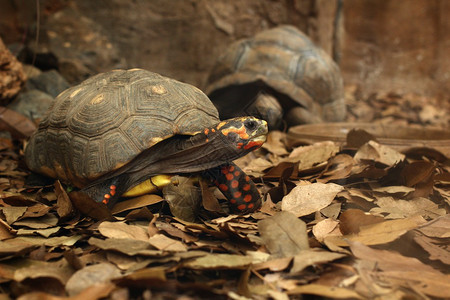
x=285 y=60
x=104 y=122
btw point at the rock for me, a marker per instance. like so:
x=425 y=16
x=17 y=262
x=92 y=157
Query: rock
x=76 y=40
x=32 y=104
x=50 y=82
x=12 y=76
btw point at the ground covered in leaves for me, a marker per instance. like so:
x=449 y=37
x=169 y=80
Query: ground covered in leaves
x=357 y=219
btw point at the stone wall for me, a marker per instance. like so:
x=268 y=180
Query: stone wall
x=380 y=45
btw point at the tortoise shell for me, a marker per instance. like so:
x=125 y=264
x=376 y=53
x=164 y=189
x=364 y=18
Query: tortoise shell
x=104 y=122
x=282 y=61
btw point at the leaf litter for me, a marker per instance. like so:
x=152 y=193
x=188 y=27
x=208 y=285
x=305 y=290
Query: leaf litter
x=352 y=220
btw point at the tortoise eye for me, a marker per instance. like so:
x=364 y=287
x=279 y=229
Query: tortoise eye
x=250 y=124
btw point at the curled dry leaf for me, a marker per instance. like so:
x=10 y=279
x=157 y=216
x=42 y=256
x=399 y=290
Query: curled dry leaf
x=352 y=220
x=306 y=199
x=378 y=153
x=325 y=228
x=310 y=156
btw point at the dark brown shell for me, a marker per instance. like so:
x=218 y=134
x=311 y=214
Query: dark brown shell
x=286 y=61
x=107 y=120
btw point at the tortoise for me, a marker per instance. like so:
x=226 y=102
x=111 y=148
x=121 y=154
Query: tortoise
x=279 y=73
x=117 y=129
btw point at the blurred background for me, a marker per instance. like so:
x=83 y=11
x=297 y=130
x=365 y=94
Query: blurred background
x=380 y=46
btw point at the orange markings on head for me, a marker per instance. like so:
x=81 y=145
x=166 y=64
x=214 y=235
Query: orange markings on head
x=229 y=176
x=112 y=187
x=234 y=184
x=252 y=144
x=206 y=131
x=240 y=131
x=220 y=125
x=213 y=130
x=242 y=207
x=223 y=187
x=107 y=196
x=105 y=201
x=112 y=192
x=233 y=201
x=237 y=173
x=248 y=198
x=207 y=140
x=231 y=168
x=237 y=195
x=246 y=187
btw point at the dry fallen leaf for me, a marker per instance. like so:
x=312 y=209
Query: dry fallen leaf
x=306 y=199
x=283 y=234
x=117 y=230
x=378 y=153
x=405 y=271
x=91 y=275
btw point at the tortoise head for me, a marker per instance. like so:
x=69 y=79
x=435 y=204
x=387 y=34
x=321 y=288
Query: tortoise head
x=244 y=133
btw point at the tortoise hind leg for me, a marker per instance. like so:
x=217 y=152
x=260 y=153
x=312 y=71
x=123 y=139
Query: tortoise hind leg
x=237 y=187
x=107 y=191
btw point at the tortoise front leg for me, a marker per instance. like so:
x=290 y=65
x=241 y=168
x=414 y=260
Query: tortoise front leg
x=236 y=186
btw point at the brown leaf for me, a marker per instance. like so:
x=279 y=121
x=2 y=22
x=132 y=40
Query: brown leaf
x=325 y=291
x=138 y=202
x=274 y=143
x=17 y=124
x=439 y=228
x=283 y=234
x=407 y=271
x=162 y=242
x=379 y=233
x=87 y=206
x=312 y=257
x=64 y=205
x=46 y=221
x=126 y=246
x=378 y=153
x=219 y=261
x=33 y=269
x=209 y=201
x=118 y=230
x=352 y=220
x=397 y=208
x=323 y=228
x=14 y=247
x=13 y=213
x=357 y=137
x=418 y=171
x=306 y=199
x=310 y=156
x=6 y=231
x=91 y=275
x=338 y=167
x=144 y=278
x=437 y=249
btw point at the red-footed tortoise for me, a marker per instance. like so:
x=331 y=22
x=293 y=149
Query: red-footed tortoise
x=117 y=129
x=277 y=69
